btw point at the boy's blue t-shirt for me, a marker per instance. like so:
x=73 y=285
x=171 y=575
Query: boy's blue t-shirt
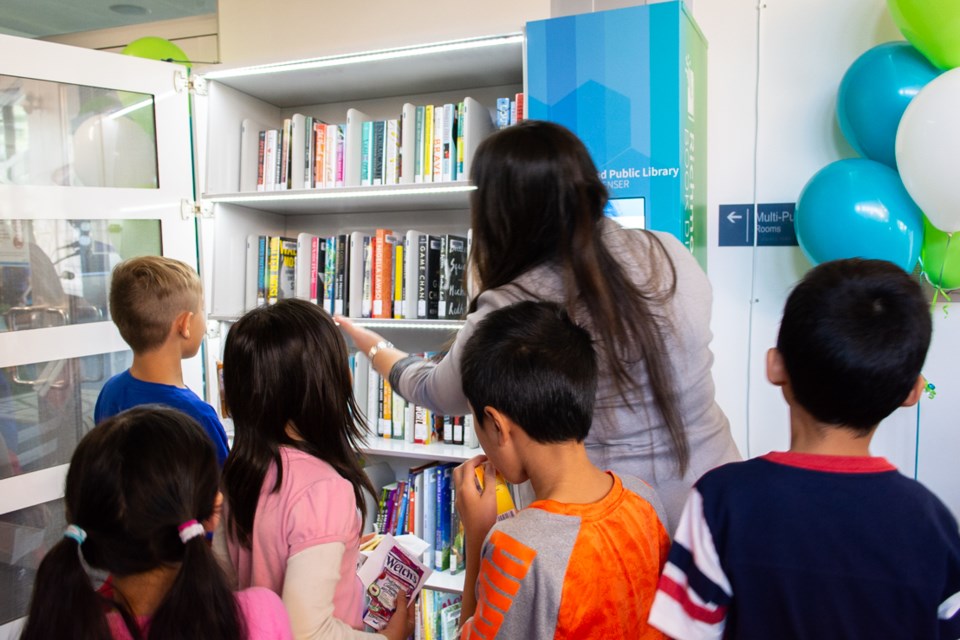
x=123 y=391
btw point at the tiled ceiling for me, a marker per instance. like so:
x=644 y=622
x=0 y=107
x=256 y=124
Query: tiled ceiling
x=39 y=18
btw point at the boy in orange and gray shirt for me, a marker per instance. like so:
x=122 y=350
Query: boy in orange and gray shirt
x=583 y=559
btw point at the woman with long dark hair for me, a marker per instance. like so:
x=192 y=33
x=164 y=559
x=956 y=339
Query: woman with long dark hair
x=293 y=480
x=141 y=492
x=539 y=233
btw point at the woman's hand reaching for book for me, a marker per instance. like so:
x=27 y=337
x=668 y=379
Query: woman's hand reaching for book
x=381 y=353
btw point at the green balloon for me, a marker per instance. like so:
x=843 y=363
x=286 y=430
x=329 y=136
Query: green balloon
x=932 y=26
x=940 y=257
x=156 y=49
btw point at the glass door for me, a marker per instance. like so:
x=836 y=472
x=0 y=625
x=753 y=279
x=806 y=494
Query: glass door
x=94 y=164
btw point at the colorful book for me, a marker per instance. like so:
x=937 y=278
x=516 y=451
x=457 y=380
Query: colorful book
x=454 y=277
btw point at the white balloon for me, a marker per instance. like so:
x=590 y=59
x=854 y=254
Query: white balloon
x=928 y=150
x=114 y=152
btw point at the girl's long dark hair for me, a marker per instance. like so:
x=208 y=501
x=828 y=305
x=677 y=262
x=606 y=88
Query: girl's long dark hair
x=539 y=200
x=287 y=364
x=132 y=482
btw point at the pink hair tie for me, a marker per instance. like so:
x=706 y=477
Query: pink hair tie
x=190 y=530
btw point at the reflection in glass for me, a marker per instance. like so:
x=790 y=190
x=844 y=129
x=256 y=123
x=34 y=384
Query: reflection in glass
x=25 y=537
x=45 y=409
x=53 y=133
x=57 y=272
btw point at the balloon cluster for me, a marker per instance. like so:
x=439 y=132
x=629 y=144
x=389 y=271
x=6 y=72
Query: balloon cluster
x=899 y=108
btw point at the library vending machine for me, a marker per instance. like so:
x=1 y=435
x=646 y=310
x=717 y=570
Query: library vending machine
x=632 y=84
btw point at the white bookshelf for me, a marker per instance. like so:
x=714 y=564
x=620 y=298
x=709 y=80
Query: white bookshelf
x=396 y=448
x=378 y=83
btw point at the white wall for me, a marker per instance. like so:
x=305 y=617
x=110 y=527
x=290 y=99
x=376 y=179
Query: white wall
x=781 y=95
x=253 y=31
x=196 y=36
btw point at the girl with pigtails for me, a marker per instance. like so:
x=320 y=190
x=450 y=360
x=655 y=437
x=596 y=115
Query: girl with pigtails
x=141 y=493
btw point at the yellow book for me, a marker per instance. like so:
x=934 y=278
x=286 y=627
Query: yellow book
x=427 y=164
x=505 y=506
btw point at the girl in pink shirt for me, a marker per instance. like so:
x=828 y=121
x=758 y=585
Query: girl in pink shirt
x=293 y=480
x=141 y=492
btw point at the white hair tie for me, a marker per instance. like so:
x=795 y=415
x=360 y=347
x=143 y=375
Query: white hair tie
x=190 y=530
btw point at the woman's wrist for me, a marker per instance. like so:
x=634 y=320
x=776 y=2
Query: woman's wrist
x=377 y=348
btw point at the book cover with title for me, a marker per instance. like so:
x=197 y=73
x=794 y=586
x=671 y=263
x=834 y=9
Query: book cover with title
x=631 y=83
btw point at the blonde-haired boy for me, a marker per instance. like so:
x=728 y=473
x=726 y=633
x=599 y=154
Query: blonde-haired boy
x=157 y=304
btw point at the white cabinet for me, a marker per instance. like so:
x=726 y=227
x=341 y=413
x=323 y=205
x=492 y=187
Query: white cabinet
x=94 y=165
x=377 y=83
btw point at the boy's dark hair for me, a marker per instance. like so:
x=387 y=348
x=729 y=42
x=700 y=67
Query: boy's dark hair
x=133 y=480
x=853 y=338
x=147 y=294
x=532 y=363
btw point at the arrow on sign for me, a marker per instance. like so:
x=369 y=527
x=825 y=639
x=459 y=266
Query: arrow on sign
x=734 y=216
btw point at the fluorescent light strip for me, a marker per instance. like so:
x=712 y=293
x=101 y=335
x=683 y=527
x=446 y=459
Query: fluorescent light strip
x=336 y=194
x=370 y=56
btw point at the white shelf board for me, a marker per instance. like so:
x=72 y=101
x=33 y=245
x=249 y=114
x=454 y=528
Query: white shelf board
x=438 y=451
x=442 y=66
x=445 y=581
x=379 y=324
x=401 y=197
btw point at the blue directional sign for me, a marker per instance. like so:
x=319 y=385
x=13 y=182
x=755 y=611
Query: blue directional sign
x=774 y=225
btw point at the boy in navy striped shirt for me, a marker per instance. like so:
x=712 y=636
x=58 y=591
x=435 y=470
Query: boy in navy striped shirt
x=824 y=540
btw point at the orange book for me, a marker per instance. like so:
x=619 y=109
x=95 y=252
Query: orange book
x=382 y=298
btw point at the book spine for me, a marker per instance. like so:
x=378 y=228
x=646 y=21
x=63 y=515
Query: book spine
x=373 y=386
x=382 y=283
x=428 y=143
x=314 y=266
x=519 y=101
x=261 y=270
x=366 y=139
x=330 y=274
x=285 y=154
x=437 y=166
x=273 y=269
x=433 y=278
x=261 y=143
x=448 y=152
x=398 y=280
x=340 y=155
x=366 y=302
x=455 y=280
x=397 y=414
x=320 y=157
x=418 y=145
x=287 y=272
x=442 y=288
x=308 y=153
x=422 y=260
x=461 y=128
x=377 y=149
x=391 y=173
x=503 y=113
x=341 y=277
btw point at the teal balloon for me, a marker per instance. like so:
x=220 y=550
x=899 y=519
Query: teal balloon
x=874 y=93
x=858 y=209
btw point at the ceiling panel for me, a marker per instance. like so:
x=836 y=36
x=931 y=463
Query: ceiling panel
x=39 y=18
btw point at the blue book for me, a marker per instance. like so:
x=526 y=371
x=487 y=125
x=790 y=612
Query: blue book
x=430 y=511
x=366 y=142
x=441 y=556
